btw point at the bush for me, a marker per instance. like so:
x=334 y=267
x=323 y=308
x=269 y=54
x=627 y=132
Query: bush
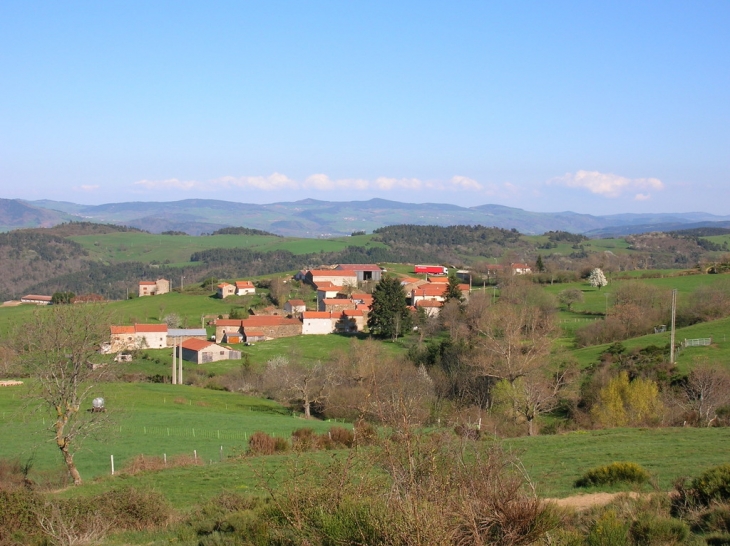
x=365 y=433
x=261 y=443
x=342 y=437
x=304 y=439
x=650 y=531
x=608 y=530
x=716 y=519
x=713 y=485
x=610 y=474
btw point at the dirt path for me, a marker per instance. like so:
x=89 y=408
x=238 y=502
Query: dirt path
x=589 y=500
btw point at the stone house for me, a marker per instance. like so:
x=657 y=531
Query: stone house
x=336 y=305
x=154 y=288
x=273 y=326
x=293 y=307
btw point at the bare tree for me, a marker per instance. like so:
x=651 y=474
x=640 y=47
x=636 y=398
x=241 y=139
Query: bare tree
x=293 y=381
x=512 y=340
x=57 y=347
x=707 y=388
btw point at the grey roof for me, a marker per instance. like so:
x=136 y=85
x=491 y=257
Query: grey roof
x=182 y=332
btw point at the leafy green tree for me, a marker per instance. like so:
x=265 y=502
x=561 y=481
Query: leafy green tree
x=59 y=298
x=389 y=316
x=623 y=402
x=539 y=265
x=453 y=292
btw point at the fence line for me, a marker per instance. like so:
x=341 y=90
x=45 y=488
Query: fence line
x=185 y=432
x=698 y=342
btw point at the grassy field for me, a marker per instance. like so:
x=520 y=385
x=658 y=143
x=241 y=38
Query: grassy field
x=176 y=249
x=150 y=419
x=553 y=463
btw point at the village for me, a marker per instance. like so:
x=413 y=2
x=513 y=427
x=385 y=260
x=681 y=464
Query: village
x=343 y=302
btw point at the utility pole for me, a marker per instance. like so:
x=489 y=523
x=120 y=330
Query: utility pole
x=174 y=362
x=674 y=315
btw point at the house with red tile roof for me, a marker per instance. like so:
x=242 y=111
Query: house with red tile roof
x=318 y=322
x=245 y=288
x=139 y=336
x=225 y=289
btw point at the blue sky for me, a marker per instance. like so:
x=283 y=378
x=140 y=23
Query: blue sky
x=595 y=107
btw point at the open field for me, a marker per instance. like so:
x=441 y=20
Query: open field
x=553 y=463
x=149 y=419
x=176 y=249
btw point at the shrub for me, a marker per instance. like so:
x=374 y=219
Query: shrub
x=341 y=437
x=610 y=474
x=713 y=485
x=365 y=433
x=304 y=439
x=608 y=530
x=650 y=531
x=261 y=443
x=716 y=519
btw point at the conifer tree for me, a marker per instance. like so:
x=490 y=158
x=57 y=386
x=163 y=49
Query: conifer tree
x=389 y=316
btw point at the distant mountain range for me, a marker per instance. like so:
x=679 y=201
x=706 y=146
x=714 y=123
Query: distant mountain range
x=313 y=218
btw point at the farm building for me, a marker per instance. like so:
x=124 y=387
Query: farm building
x=182 y=334
x=363 y=272
x=202 y=352
x=335 y=276
x=36 y=299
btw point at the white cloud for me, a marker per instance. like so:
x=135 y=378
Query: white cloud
x=642 y=197
x=324 y=182
x=317 y=182
x=168 y=184
x=87 y=187
x=607 y=184
x=465 y=183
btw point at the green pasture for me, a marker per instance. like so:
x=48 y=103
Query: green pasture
x=718 y=352
x=176 y=249
x=149 y=419
x=555 y=462
x=308 y=349
x=552 y=463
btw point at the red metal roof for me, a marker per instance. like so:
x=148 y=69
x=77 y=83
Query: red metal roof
x=196 y=344
x=331 y=273
x=244 y=284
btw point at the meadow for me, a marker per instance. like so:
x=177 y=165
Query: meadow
x=176 y=249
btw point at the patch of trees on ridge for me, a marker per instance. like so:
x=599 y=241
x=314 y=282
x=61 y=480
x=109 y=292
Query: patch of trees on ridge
x=243 y=231
x=71 y=229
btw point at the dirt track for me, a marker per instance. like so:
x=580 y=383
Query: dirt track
x=583 y=502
